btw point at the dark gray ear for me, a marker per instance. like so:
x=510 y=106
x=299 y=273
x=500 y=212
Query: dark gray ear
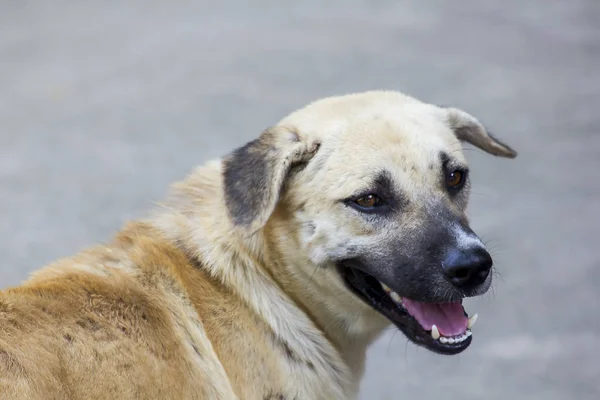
x=467 y=128
x=254 y=174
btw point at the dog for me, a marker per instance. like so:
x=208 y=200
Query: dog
x=266 y=274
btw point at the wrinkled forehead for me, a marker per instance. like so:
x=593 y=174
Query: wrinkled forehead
x=375 y=123
x=410 y=149
x=407 y=139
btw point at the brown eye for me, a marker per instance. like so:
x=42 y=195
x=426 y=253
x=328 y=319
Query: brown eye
x=454 y=178
x=368 y=201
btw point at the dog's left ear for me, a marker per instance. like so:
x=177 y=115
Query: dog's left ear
x=254 y=174
x=467 y=128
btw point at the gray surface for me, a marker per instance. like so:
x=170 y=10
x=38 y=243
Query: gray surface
x=103 y=105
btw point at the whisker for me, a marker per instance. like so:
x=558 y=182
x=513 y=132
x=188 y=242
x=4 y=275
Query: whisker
x=396 y=330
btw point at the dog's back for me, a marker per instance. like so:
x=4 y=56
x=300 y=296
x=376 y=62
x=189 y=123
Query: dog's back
x=113 y=322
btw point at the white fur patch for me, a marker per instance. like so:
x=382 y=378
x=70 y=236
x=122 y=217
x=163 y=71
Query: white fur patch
x=465 y=240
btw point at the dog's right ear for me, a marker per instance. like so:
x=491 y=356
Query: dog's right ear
x=254 y=174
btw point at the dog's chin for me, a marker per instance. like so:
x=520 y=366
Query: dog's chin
x=441 y=327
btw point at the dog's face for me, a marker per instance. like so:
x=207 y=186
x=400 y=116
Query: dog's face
x=374 y=188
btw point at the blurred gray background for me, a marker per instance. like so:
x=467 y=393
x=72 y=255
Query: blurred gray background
x=104 y=103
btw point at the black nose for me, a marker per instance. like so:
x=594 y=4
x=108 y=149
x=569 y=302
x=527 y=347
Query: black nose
x=467 y=269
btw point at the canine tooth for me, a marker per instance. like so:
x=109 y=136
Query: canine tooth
x=396 y=297
x=444 y=339
x=435 y=333
x=472 y=321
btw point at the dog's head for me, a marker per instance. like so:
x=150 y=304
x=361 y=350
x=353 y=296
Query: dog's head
x=373 y=188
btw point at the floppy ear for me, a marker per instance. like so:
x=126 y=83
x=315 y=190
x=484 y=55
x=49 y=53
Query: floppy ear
x=467 y=128
x=254 y=174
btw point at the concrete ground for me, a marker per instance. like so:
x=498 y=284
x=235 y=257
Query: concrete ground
x=103 y=104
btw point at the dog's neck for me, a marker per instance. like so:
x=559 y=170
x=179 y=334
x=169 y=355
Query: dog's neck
x=256 y=267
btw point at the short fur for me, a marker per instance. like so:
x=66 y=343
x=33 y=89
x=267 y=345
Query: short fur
x=228 y=291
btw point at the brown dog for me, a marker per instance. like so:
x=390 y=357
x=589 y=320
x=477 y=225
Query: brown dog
x=266 y=275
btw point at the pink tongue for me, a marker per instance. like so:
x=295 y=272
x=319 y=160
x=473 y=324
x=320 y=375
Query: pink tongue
x=448 y=317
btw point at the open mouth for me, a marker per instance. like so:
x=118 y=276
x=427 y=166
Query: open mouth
x=444 y=328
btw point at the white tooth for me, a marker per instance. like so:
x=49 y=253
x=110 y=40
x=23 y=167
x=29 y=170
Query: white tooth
x=396 y=297
x=472 y=321
x=451 y=340
x=444 y=339
x=387 y=289
x=469 y=333
x=435 y=333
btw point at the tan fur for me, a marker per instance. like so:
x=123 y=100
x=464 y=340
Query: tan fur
x=188 y=305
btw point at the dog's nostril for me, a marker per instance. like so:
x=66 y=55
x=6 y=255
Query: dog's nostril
x=461 y=273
